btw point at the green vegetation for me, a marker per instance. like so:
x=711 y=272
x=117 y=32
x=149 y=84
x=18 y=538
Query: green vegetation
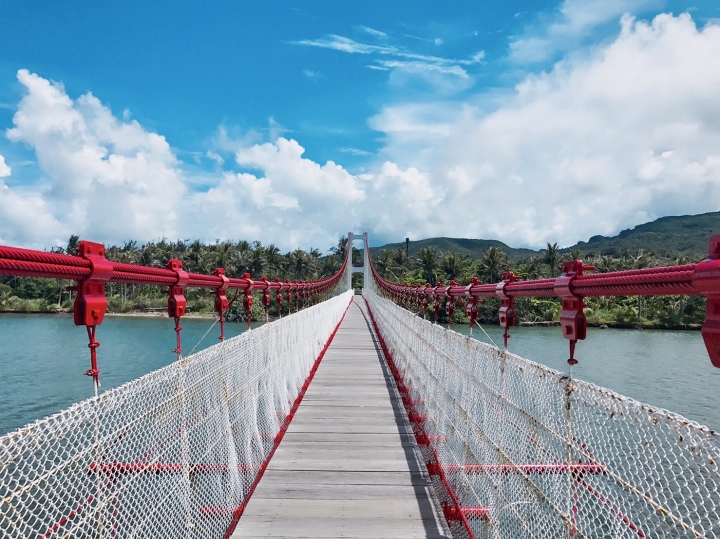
x=667 y=237
x=666 y=241
x=26 y=294
x=432 y=266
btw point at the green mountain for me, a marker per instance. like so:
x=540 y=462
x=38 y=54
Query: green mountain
x=685 y=235
x=472 y=248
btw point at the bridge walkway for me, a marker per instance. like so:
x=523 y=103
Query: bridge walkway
x=348 y=465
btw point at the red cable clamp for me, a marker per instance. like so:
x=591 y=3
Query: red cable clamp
x=426 y=299
x=266 y=298
x=221 y=300
x=471 y=307
x=449 y=303
x=436 y=300
x=706 y=280
x=177 y=304
x=278 y=296
x=572 y=317
x=248 y=300
x=506 y=313
x=90 y=302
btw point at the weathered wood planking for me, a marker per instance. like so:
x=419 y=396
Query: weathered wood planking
x=348 y=466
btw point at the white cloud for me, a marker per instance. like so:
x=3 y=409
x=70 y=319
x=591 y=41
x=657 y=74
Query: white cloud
x=312 y=75
x=574 y=20
x=356 y=152
x=598 y=144
x=107 y=178
x=402 y=59
x=5 y=170
x=215 y=157
x=372 y=31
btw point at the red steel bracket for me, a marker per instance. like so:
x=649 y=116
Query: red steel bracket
x=507 y=304
x=436 y=300
x=177 y=304
x=471 y=308
x=449 y=303
x=221 y=300
x=278 y=297
x=90 y=302
x=248 y=300
x=706 y=280
x=266 y=298
x=572 y=317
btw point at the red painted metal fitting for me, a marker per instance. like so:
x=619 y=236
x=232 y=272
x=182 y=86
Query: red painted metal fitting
x=433 y=468
x=288 y=294
x=450 y=303
x=248 y=299
x=471 y=307
x=473 y=512
x=177 y=304
x=506 y=313
x=706 y=280
x=426 y=298
x=266 y=293
x=278 y=296
x=221 y=301
x=90 y=302
x=572 y=317
x=436 y=300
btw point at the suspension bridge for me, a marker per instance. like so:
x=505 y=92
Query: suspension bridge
x=360 y=416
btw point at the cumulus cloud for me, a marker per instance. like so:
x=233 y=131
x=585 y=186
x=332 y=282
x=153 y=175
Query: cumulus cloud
x=107 y=178
x=574 y=20
x=601 y=142
x=595 y=145
x=5 y=170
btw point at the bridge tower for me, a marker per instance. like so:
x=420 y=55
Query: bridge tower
x=364 y=269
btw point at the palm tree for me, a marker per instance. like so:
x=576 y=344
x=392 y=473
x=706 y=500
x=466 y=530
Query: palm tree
x=399 y=257
x=551 y=257
x=384 y=263
x=494 y=263
x=341 y=248
x=455 y=267
x=426 y=260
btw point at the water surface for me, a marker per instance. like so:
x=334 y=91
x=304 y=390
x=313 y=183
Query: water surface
x=43 y=358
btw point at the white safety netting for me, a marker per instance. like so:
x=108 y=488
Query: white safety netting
x=171 y=454
x=530 y=452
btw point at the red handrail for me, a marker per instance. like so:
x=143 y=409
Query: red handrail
x=92 y=270
x=572 y=286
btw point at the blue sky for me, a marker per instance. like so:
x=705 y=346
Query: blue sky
x=293 y=122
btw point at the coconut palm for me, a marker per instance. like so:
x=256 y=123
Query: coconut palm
x=427 y=261
x=493 y=264
x=551 y=257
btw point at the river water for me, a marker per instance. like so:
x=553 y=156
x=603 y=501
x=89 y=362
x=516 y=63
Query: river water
x=43 y=357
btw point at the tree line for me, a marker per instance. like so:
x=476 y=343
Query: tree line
x=431 y=266
x=28 y=294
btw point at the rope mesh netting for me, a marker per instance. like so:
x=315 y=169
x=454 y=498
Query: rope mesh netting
x=174 y=453
x=526 y=451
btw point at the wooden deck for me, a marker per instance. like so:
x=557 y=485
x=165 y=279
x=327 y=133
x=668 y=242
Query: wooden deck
x=348 y=466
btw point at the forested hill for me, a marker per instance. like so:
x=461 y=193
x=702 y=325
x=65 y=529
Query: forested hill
x=685 y=235
x=471 y=248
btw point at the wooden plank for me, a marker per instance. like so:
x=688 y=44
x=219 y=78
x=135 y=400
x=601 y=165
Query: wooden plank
x=348 y=465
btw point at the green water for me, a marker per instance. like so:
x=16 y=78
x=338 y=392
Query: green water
x=43 y=357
